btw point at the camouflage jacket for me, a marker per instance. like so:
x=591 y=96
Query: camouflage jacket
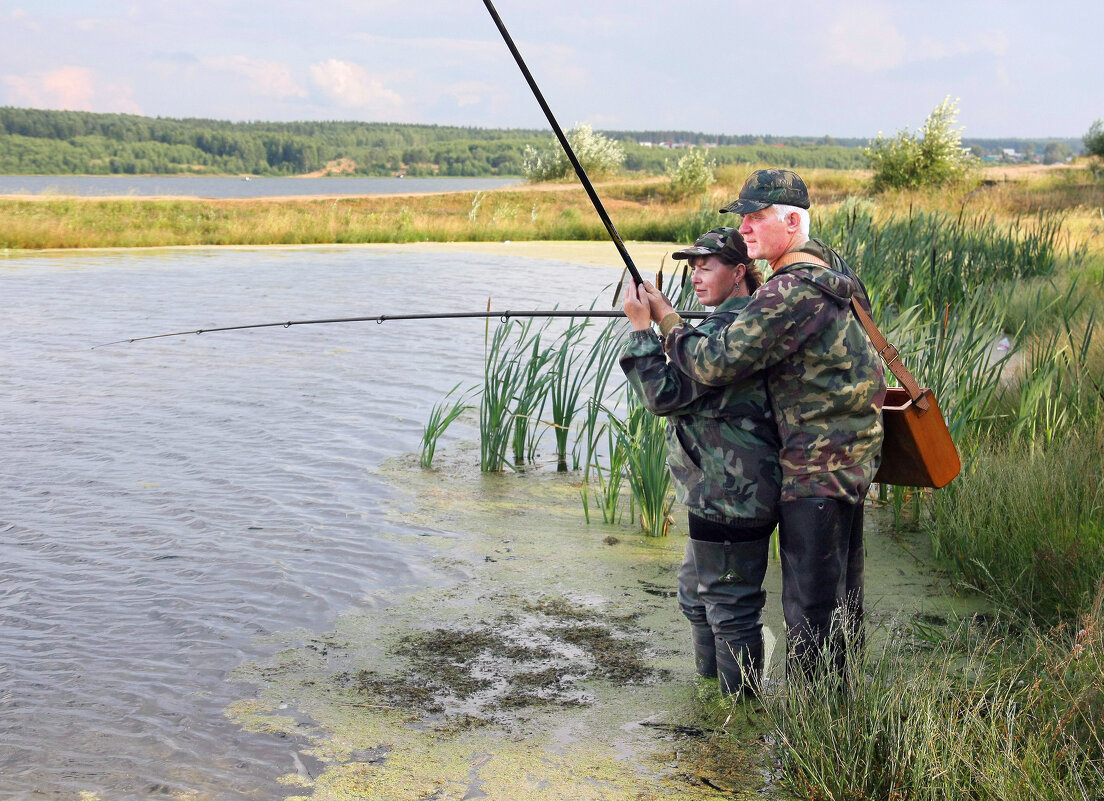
x=824 y=378
x=722 y=442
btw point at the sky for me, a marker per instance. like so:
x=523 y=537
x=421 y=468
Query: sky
x=847 y=68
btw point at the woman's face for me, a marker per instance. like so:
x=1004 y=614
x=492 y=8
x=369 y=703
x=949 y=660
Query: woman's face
x=713 y=280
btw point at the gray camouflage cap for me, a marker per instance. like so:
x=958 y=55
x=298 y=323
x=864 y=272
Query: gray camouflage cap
x=724 y=242
x=765 y=188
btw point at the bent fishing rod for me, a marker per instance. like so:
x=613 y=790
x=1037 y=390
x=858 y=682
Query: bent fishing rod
x=587 y=185
x=504 y=316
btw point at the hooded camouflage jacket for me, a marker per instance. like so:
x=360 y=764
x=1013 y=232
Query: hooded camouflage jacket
x=824 y=378
x=722 y=442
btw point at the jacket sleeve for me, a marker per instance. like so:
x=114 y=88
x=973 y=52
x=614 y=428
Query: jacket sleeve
x=663 y=389
x=781 y=316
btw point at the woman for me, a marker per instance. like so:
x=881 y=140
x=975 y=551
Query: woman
x=723 y=453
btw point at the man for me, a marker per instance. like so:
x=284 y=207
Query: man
x=722 y=448
x=826 y=386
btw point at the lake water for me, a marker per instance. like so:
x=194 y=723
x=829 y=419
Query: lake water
x=227 y=187
x=166 y=506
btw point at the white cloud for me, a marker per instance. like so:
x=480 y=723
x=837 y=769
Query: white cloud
x=865 y=37
x=71 y=89
x=268 y=78
x=350 y=85
x=470 y=93
x=993 y=43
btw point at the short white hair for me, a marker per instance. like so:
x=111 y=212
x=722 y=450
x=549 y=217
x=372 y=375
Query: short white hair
x=783 y=211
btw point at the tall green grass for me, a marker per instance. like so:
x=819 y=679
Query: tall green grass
x=987 y=713
x=1025 y=525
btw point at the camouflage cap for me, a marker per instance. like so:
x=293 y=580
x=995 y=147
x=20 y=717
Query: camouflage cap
x=724 y=242
x=765 y=188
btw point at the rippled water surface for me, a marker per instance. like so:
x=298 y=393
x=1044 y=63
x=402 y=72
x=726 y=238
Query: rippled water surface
x=166 y=504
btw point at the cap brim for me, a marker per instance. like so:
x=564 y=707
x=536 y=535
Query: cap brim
x=744 y=207
x=686 y=253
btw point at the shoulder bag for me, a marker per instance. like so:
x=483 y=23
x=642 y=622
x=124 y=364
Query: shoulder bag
x=917 y=450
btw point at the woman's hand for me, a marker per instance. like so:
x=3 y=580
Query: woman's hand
x=635 y=301
x=658 y=304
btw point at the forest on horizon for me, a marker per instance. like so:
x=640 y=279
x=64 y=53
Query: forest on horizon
x=46 y=142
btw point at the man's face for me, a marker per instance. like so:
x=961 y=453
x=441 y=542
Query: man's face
x=713 y=280
x=766 y=235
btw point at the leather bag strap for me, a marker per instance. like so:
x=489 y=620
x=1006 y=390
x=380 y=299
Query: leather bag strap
x=887 y=351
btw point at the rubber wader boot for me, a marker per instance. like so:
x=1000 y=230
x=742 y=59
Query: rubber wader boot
x=740 y=667
x=815 y=540
x=705 y=651
x=692 y=606
x=730 y=584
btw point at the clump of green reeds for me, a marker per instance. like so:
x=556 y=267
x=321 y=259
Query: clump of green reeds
x=573 y=364
x=1024 y=523
x=441 y=416
x=955 y=355
x=512 y=388
x=610 y=478
x=935 y=260
x=990 y=712
x=641 y=436
x=603 y=359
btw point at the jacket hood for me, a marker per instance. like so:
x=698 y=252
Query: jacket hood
x=831 y=280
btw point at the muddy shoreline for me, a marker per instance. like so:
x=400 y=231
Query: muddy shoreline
x=553 y=664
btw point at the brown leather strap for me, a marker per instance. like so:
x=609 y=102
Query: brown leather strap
x=887 y=351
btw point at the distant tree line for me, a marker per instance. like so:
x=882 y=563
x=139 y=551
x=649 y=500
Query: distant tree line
x=35 y=141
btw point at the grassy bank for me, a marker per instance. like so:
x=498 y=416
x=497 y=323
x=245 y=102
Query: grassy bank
x=641 y=209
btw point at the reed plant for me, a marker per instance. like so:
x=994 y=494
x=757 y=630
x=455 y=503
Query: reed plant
x=511 y=388
x=642 y=437
x=571 y=366
x=610 y=479
x=955 y=355
x=935 y=260
x=988 y=712
x=602 y=359
x=529 y=395
x=441 y=416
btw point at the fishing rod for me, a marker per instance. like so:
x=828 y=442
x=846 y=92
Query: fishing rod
x=504 y=316
x=594 y=199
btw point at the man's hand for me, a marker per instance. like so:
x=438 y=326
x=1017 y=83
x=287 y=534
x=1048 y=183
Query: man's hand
x=635 y=301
